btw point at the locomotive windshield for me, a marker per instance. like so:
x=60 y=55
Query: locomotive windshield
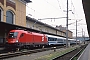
x=13 y=35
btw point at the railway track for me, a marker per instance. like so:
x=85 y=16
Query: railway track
x=71 y=55
x=14 y=54
x=5 y=50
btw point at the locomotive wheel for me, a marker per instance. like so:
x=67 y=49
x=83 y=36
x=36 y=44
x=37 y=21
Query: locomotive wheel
x=17 y=49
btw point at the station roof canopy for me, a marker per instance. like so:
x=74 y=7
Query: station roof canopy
x=86 y=6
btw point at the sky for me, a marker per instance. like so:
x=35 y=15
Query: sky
x=40 y=9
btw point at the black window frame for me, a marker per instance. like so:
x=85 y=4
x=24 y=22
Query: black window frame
x=52 y=39
x=13 y=35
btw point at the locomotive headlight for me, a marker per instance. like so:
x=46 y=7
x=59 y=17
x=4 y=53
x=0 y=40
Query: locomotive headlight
x=16 y=40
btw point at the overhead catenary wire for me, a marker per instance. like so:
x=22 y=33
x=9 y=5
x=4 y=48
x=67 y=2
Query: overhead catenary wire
x=55 y=8
x=41 y=14
x=48 y=3
x=33 y=10
x=51 y=5
x=52 y=18
x=74 y=22
x=59 y=4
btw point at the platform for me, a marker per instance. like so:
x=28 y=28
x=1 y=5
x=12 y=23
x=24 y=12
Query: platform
x=86 y=54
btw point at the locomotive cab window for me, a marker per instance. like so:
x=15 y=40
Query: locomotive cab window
x=13 y=35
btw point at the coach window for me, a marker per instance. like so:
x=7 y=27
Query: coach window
x=9 y=17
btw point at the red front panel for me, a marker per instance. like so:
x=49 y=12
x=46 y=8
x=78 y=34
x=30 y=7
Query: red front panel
x=13 y=36
x=11 y=40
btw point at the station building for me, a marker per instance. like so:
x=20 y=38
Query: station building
x=13 y=16
x=12 y=13
x=42 y=27
x=61 y=28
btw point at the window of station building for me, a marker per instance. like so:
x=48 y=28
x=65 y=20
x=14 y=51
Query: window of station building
x=1 y=14
x=9 y=17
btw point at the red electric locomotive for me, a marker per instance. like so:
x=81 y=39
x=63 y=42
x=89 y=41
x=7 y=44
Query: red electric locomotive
x=21 y=38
